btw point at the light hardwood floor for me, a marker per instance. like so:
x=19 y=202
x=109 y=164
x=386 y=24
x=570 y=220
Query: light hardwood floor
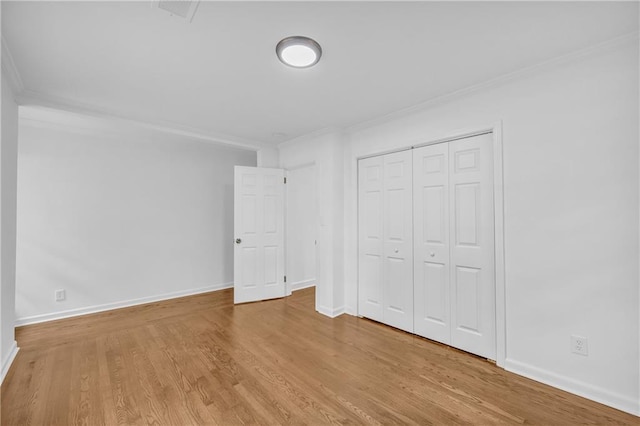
x=200 y=360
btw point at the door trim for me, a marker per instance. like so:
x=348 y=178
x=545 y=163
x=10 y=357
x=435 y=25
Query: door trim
x=498 y=208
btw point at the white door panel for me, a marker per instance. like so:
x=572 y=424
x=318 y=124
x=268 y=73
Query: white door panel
x=426 y=242
x=472 y=250
x=370 y=238
x=431 y=247
x=385 y=239
x=453 y=263
x=259 y=232
x=398 y=240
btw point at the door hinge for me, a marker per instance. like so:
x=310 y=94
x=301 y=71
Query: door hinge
x=285 y=180
x=285 y=278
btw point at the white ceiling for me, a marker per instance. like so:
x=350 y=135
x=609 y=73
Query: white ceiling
x=219 y=75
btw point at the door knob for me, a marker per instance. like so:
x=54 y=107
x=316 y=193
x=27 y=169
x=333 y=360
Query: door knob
x=396 y=250
x=432 y=254
x=238 y=240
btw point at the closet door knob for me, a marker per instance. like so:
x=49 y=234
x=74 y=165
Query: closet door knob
x=238 y=240
x=396 y=250
x=432 y=254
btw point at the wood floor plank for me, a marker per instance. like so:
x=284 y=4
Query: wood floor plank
x=84 y=396
x=200 y=360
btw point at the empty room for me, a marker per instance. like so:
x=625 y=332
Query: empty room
x=320 y=212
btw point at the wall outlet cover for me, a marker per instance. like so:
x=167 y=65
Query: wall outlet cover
x=579 y=345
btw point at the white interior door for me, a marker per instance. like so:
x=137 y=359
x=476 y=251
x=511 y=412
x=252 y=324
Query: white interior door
x=370 y=237
x=454 y=244
x=397 y=270
x=431 y=248
x=385 y=239
x=259 y=232
x=472 y=245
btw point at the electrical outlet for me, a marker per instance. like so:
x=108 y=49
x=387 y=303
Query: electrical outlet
x=60 y=295
x=579 y=345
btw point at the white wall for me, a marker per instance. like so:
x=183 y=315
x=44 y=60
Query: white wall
x=268 y=157
x=325 y=150
x=302 y=226
x=115 y=220
x=571 y=208
x=8 y=165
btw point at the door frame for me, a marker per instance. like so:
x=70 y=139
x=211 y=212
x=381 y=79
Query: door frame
x=498 y=216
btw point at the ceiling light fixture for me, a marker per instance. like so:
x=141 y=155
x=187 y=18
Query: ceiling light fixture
x=298 y=52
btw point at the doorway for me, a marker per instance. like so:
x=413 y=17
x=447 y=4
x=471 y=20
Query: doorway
x=301 y=227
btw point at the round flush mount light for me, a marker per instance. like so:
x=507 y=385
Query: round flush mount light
x=298 y=52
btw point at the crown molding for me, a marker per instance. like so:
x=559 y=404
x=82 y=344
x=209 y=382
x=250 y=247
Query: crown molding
x=497 y=81
x=9 y=67
x=121 y=122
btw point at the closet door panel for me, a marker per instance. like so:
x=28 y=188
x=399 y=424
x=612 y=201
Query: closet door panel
x=426 y=248
x=398 y=240
x=370 y=238
x=472 y=289
x=431 y=242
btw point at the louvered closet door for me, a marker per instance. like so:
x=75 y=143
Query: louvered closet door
x=431 y=260
x=385 y=239
x=472 y=245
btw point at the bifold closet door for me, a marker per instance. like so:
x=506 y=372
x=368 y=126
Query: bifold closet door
x=472 y=234
x=454 y=244
x=431 y=249
x=386 y=239
x=370 y=239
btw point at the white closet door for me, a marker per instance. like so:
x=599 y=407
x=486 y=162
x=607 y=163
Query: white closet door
x=472 y=245
x=398 y=240
x=443 y=286
x=431 y=242
x=370 y=238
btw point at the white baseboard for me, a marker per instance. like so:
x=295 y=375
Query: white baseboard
x=6 y=363
x=612 y=399
x=116 y=305
x=299 y=285
x=332 y=313
x=350 y=310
